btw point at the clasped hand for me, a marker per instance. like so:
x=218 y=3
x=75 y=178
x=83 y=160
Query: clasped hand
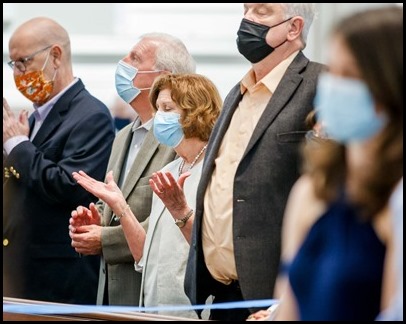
x=13 y=126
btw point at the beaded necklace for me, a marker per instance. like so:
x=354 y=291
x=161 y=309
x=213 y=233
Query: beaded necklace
x=182 y=164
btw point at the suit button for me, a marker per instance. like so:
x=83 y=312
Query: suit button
x=5 y=242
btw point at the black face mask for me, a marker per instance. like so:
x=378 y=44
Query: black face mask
x=251 y=40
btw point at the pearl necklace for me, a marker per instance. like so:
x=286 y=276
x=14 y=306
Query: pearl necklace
x=182 y=164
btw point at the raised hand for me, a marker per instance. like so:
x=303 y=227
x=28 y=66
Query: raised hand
x=170 y=192
x=109 y=192
x=13 y=126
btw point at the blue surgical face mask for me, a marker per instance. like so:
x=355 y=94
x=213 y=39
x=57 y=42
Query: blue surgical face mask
x=125 y=75
x=167 y=129
x=346 y=109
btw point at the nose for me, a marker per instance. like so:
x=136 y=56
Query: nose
x=127 y=59
x=17 y=71
x=249 y=15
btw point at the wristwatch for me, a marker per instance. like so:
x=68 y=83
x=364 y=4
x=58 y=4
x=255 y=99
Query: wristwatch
x=182 y=222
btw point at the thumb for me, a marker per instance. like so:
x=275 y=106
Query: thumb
x=182 y=178
x=95 y=212
x=109 y=176
x=23 y=117
x=23 y=120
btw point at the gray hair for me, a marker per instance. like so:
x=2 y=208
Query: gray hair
x=305 y=10
x=171 y=54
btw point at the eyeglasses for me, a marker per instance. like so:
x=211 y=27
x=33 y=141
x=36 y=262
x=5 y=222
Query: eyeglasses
x=20 y=63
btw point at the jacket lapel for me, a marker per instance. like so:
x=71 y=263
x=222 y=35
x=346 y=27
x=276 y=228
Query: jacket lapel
x=56 y=115
x=285 y=90
x=31 y=121
x=141 y=161
x=222 y=124
x=117 y=166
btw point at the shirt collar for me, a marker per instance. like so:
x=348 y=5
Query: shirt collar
x=40 y=112
x=137 y=124
x=271 y=80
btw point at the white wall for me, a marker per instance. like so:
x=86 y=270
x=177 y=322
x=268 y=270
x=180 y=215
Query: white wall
x=101 y=34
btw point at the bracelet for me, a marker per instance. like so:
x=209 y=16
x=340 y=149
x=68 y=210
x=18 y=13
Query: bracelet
x=118 y=217
x=182 y=222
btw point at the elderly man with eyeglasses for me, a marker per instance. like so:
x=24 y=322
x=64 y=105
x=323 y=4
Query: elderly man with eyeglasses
x=68 y=130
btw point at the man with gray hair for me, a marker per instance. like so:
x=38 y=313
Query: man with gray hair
x=136 y=154
x=252 y=161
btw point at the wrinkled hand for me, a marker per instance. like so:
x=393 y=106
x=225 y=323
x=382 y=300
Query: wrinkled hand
x=13 y=126
x=170 y=192
x=87 y=239
x=84 y=216
x=109 y=192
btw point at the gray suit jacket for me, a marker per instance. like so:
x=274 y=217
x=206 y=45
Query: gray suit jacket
x=123 y=281
x=264 y=177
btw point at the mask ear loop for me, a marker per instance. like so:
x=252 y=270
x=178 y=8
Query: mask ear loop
x=45 y=63
x=144 y=72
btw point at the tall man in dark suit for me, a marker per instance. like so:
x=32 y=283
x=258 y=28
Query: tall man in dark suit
x=69 y=130
x=252 y=161
x=135 y=155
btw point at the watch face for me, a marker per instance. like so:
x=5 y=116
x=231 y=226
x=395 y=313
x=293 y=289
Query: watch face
x=180 y=223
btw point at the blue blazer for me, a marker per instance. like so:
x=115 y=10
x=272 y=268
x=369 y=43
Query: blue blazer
x=264 y=177
x=39 y=195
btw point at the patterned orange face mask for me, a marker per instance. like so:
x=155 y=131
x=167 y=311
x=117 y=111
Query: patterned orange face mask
x=34 y=87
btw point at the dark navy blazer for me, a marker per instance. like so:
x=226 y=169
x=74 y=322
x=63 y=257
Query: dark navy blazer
x=39 y=195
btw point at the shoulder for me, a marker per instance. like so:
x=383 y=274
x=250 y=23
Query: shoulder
x=316 y=67
x=79 y=96
x=124 y=131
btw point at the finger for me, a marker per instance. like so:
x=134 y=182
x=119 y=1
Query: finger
x=157 y=180
x=23 y=118
x=6 y=109
x=169 y=177
x=83 y=182
x=72 y=221
x=109 y=176
x=82 y=211
x=94 y=211
x=182 y=178
x=163 y=179
x=154 y=187
x=82 y=251
x=88 y=180
x=76 y=176
x=84 y=174
x=6 y=115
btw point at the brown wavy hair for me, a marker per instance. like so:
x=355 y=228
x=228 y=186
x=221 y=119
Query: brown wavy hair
x=197 y=96
x=375 y=38
x=324 y=160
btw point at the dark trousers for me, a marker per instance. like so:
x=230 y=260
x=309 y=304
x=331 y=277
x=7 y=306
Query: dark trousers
x=224 y=294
